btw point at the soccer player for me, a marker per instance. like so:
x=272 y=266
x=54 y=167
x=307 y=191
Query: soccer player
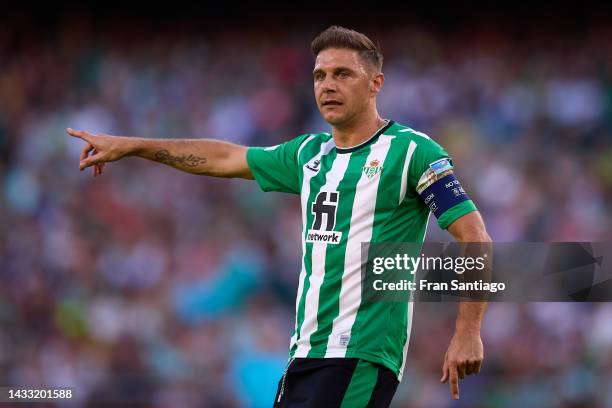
x=369 y=180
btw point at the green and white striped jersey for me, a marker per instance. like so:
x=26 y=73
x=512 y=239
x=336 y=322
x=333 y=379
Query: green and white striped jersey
x=366 y=193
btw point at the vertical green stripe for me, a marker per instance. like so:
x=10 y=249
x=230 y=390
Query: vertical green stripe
x=362 y=385
x=329 y=293
x=316 y=182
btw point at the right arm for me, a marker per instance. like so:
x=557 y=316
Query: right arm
x=197 y=156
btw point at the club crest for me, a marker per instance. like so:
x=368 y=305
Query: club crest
x=373 y=169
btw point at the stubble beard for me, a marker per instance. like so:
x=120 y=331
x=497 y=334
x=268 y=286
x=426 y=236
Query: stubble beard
x=341 y=121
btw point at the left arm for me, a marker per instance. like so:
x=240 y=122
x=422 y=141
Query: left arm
x=465 y=352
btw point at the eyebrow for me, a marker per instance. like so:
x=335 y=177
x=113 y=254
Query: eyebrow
x=341 y=68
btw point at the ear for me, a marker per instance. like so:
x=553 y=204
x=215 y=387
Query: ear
x=377 y=82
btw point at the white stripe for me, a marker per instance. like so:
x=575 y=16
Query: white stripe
x=305 y=192
x=409 y=321
x=408 y=331
x=416 y=132
x=319 y=249
x=304 y=143
x=311 y=304
x=362 y=221
x=411 y=147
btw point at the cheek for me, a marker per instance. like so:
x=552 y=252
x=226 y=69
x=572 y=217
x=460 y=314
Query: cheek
x=356 y=95
x=358 y=88
x=317 y=91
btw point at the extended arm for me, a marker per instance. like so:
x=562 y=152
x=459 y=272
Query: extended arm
x=198 y=156
x=465 y=352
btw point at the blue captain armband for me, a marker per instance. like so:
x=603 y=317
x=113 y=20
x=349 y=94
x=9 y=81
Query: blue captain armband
x=443 y=194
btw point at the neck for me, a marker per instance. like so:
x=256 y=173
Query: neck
x=353 y=134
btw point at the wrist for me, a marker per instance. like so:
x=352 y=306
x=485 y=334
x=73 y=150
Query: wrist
x=467 y=328
x=133 y=146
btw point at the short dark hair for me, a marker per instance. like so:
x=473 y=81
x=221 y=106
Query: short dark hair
x=340 y=37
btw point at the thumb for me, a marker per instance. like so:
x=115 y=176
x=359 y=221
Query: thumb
x=90 y=161
x=444 y=371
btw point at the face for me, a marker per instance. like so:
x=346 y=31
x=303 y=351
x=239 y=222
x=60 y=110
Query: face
x=345 y=86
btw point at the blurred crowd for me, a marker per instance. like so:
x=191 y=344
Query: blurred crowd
x=156 y=288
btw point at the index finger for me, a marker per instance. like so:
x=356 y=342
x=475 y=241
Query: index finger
x=454 y=381
x=81 y=134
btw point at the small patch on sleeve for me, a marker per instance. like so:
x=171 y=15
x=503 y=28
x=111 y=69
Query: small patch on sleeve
x=436 y=171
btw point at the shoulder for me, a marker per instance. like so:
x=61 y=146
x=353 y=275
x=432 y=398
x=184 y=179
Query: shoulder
x=312 y=140
x=297 y=142
x=409 y=134
x=318 y=137
x=308 y=138
x=420 y=141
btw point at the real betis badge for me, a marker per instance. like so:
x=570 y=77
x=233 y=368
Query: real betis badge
x=373 y=169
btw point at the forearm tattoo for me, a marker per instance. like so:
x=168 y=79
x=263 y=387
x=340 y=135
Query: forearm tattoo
x=164 y=156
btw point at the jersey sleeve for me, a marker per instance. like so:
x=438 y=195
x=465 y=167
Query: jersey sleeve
x=432 y=178
x=276 y=168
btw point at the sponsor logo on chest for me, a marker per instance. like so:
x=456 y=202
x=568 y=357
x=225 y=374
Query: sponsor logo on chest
x=324 y=210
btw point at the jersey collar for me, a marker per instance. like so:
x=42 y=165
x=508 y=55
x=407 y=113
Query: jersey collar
x=341 y=150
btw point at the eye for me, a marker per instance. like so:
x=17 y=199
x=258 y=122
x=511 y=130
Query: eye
x=343 y=74
x=318 y=76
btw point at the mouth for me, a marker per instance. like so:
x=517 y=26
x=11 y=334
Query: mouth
x=331 y=103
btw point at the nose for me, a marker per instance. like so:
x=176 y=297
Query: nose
x=328 y=85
